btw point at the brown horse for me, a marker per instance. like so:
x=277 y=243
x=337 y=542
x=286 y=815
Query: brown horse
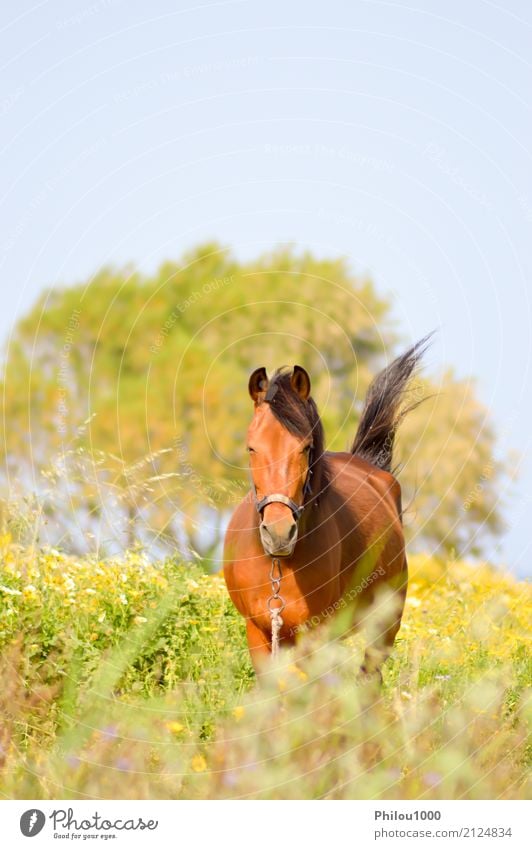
x=334 y=518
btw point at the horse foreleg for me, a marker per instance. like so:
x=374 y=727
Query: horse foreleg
x=259 y=646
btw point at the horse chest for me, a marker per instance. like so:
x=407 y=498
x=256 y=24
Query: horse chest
x=306 y=593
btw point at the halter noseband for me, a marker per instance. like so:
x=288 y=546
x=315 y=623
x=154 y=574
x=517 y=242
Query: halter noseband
x=279 y=498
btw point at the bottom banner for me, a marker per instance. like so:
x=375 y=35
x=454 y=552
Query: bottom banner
x=263 y=825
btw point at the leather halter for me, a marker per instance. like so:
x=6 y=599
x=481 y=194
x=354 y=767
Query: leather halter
x=279 y=498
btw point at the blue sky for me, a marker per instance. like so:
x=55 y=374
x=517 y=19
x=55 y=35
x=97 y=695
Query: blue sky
x=396 y=135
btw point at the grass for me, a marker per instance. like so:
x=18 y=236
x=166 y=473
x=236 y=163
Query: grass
x=125 y=679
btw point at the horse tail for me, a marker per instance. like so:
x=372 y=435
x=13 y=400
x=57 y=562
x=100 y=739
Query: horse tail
x=383 y=410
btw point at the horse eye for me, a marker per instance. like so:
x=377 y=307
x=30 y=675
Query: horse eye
x=306 y=449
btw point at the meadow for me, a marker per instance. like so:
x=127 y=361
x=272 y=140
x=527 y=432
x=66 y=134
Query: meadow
x=128 y=679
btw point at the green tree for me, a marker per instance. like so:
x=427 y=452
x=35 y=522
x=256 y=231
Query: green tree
x=125 y=400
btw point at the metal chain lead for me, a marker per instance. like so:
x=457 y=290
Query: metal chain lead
x=276 y=604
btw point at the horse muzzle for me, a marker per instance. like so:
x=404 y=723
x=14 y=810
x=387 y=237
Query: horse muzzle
x=278 y=542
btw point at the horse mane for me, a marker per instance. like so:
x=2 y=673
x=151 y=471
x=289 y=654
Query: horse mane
x=302 y=419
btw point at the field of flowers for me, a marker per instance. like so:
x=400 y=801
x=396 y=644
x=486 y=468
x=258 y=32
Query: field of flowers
x=125 y=679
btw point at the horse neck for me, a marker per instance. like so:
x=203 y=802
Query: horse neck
x=312 y=514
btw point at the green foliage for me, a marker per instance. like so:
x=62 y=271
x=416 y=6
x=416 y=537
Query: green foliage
x=450 y=477
x=129 y=393
x=143 y=688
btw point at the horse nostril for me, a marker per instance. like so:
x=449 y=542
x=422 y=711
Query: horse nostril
x=292 y=531
x=265 y=530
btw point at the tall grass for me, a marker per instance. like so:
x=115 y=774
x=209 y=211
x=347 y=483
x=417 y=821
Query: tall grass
x=124 y=679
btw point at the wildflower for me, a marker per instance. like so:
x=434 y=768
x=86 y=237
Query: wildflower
x=175 y=727
x=413 y=601
x=331 y=679
x=9 y=590
x=139 y=620
x=299 y=672
x=109 y=732
x=238 y=712
x=198 y=763
x=229 y=778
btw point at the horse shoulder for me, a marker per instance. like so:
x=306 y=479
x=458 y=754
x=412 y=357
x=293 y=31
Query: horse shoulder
x=232 y=541
x=241 y=553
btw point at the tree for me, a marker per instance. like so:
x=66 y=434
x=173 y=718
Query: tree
x=451 y=479
x=129 y=392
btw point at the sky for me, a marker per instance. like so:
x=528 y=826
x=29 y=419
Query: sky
x=396 y=135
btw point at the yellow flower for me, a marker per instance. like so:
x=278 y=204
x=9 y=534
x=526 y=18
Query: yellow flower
x=175 y=727
x=299 y=672
x=198 y=763
x=238 y=712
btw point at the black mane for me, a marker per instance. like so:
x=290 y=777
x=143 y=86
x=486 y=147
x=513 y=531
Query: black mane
x=302 y=419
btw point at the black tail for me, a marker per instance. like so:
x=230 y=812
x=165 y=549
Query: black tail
x=382 y=411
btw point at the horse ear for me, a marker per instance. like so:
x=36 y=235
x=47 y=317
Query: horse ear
x=300 y=382
x=258 y=383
